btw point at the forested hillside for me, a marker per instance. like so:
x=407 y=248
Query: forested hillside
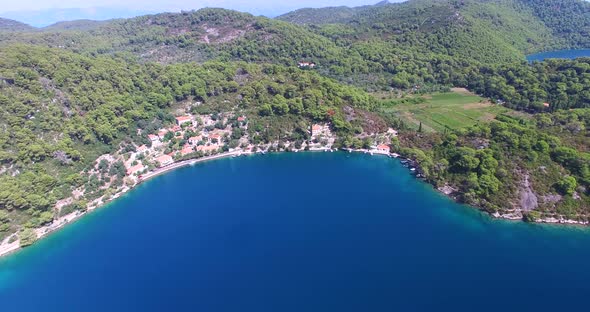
x=361 y=48
x=568 y=19
x=74 y=91
x=419 y=42
x=8 y=25
x=538 y=168
x=77 y=25
x=528 y=25
x=60 y=111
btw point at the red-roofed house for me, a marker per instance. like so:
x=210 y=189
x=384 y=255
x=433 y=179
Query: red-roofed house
x=153 y=137
x=137 y=169
x=142 y=149
x=186 y=150
x=317 y=129
x=241 y=118
x=175 y=129
x=183 y=119
x=164 y=160
x=382 y=148
x=162 y=134
x=215 y=137
x=546 y=104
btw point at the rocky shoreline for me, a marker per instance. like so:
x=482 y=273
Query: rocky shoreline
x=8 y=247
x=449 y=191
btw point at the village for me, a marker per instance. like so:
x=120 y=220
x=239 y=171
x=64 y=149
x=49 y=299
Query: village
x=204 y=136
x=196 y=138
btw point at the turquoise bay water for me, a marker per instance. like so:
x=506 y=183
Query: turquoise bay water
x=297 y=232
x=564 y=54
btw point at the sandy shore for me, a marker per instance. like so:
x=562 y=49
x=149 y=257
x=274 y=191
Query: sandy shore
x=8 y=248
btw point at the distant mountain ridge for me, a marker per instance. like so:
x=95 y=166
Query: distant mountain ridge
x=527 y=24
x=343 y=41
x=12 y=25
x=80 y=25
x=47 y=17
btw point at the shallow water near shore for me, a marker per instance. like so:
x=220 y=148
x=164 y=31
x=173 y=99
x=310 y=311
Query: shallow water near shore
x=297 y=232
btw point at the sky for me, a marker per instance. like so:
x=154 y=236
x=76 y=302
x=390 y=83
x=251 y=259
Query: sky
x=254 y=6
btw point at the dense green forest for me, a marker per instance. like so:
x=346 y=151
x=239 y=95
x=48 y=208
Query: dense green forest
x=61 y=110
x=77 y=90
x=372 y=46
x=487 y=165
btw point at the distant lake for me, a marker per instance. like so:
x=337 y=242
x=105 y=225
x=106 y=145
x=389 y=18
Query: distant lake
x=297 y=232
x=563 y=54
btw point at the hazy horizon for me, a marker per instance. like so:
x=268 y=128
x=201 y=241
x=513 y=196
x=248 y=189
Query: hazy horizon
x=46 y=12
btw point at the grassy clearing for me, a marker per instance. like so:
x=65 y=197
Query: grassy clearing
x=451 y=110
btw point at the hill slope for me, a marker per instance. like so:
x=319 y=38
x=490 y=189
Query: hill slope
x=530 y=24
x=12 y=25
x=188 y=36
x=79 y=25
x=59 y=111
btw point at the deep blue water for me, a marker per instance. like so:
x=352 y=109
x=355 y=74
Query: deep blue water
x=297 y=232
x=564 y=54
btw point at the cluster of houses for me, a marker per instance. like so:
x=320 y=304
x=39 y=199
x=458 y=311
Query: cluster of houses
x=207 y=142
x=321 y=136
x=208 y=139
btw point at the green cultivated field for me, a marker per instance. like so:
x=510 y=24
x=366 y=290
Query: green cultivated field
x=452 y=110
